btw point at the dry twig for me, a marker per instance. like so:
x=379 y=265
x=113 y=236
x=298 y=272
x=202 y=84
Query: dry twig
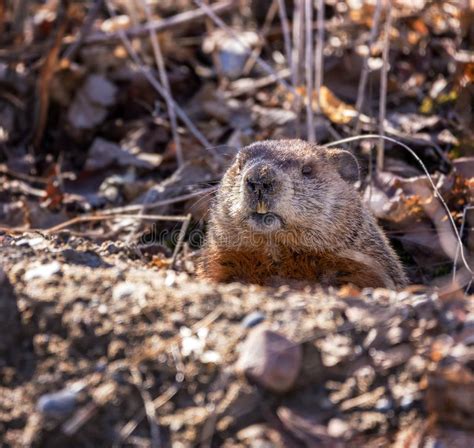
x=319 y=55
x=298 y=41
x=287 y=39
x=383 y=86
x=182 y=234
x=160 y=89
x=271 y=13
x=150 y=409
x=160 y=25
x=365 y=65
x=261 y=63
x=85 y=30
x=102 y=217
x=437 y=193
x=46 y=75
x=308 y=14
x=164 y=81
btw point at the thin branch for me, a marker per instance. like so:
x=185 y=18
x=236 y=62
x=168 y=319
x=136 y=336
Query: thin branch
x=182 y=234
x=150 y=410
x=309 y=69
x=437 y=194
x=133 y=208
x=160 y=25
x=164 y=81
x=298 y=57
x=71 y=51
x=319 y=55
x=238 y=88
x=365 y=65
x=221 y=79
x=121 y=212
x=260 y=62
x=83 y=219
x=271 y=13
x=298 y=40
x=289 y=55
x=158 y=402
x=47 y=72
x=159 y=87
x=287 y=39
x=383 y=86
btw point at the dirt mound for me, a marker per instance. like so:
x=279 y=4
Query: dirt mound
x=113 y=352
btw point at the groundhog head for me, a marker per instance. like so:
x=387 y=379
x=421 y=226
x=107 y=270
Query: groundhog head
x=281 y=185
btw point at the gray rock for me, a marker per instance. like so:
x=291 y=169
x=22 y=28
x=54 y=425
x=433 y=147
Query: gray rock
x=270 y=360
x=253 y=319
x=57 y=404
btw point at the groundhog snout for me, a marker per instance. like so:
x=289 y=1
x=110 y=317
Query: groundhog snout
x=261 y=181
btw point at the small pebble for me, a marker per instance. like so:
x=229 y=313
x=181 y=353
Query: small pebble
x=253 y=319
x=122 y=291
x=112 y=249
x=395 y=335
x=57 y=404
x=101 y=366
x=43 y=271
x=337 y=427
x=407 y=402
x=270 y=359
x=170 y=279
x=383 y=405
x=211 y=357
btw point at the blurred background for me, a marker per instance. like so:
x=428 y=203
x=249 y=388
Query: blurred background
x=114 y=113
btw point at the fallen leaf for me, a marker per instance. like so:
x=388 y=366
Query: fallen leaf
x=335 y=109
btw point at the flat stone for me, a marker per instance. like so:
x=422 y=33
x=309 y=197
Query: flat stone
x=270 y=359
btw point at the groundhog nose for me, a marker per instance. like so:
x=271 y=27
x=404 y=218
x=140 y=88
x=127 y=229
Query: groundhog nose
x=260 y=180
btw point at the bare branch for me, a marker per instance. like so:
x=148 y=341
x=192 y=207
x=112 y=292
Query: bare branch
x=319 y=56
x=160 y=25
x=437 y=193
x=309 y=69
x=260 y=62
x=287 y=39
x=365 y=66
x=383 y=86
x=164 y=81
x=160 y=89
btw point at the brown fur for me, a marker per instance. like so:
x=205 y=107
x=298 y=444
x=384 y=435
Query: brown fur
x=323 y=233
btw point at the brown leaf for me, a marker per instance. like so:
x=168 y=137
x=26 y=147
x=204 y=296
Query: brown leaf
x=335 y=109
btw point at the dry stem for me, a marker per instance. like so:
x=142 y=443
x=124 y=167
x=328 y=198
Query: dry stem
x=319 y=55
x=365 y=66
x=383 y=87
x=308 y=11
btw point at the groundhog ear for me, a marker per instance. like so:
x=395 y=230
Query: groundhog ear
x=346 y=164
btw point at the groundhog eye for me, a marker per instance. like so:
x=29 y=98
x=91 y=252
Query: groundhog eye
x=306 y=170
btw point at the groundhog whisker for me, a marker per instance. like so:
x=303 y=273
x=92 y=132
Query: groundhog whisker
x=203 y=198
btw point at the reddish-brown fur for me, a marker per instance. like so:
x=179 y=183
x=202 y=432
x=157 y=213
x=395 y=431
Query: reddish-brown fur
x=325 y=235
x=259 y=268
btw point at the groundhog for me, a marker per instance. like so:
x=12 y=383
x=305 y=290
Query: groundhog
x=287 y=212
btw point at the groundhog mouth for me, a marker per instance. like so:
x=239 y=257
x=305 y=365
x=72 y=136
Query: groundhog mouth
x=265 y=222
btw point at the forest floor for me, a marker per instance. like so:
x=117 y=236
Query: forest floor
x=106 y=336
